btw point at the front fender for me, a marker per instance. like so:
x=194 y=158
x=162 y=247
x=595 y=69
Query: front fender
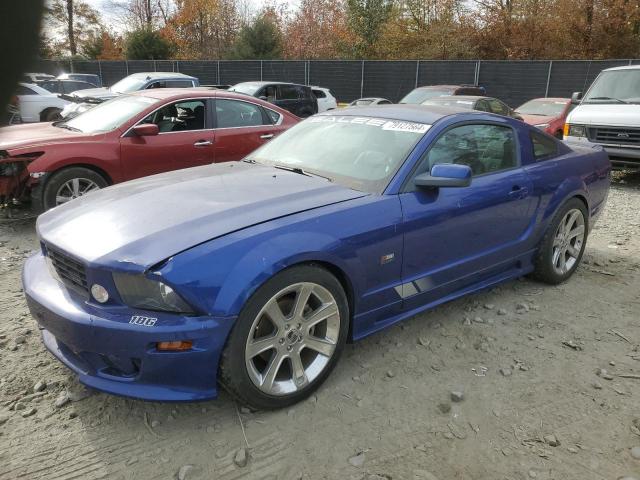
x=229 y=270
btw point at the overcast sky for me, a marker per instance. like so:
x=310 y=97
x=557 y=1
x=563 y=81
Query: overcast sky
x=109 y=19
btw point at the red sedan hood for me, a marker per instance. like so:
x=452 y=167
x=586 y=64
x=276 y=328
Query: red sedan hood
x=35 y=134
x=536 y=119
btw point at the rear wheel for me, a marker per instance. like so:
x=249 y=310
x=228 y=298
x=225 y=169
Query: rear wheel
x=563 y=245
x=70 y=183
x=287 y=338
x=50 y=115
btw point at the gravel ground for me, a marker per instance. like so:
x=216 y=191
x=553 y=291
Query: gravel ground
x=524 y=381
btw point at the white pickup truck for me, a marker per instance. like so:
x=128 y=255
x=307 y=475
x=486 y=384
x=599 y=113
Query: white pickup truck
x=609 y=115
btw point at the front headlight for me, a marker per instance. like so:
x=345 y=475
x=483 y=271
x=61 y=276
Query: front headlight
x=542 y=126
x=140 y=292
x=575 y=130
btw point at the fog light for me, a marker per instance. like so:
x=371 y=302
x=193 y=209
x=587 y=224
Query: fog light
x=99 y=293
x=177 y=346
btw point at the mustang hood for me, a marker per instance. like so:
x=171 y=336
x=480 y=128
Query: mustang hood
x=140 y=223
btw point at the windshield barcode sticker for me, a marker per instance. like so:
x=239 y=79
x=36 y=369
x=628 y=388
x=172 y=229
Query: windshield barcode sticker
x=392 y=125
x=399 y=126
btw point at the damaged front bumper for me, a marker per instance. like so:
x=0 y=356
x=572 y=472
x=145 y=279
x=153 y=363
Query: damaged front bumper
x=111 y=352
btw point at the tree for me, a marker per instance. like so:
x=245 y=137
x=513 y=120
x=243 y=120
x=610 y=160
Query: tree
x=139 y=14
x=261 y=40
x=366 y=20
x=204 y=28
x=73 y=20
x=102 y=47
x=145 y=44
x=318 y=29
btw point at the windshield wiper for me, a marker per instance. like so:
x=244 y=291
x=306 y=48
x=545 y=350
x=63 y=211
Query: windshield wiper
x=66 y=127
x=300 y=171
x=606 y=98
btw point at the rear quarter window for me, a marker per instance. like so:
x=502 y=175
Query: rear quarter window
x=319 y=93
x=544 y=147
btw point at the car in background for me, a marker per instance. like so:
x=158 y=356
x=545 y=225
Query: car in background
x=36 y=77
x=548 y=114
x=369 y=102
x=326 y=100
x=64 y=86
x=470 y=102
x=420 y=94
x=134 y=135
x=609 y=115
x=83 y=100
x=253 y=275
x=38 y=104
x=84 y=77
x=298 y=99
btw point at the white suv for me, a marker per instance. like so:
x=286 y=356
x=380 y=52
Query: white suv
x=326 y=100
x=609 y=115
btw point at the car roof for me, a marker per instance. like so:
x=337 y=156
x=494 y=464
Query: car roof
x=156 y=75
x=264 y=82
x=458 y=98
x=427 y=114
x=428 y=87
x=626 y=67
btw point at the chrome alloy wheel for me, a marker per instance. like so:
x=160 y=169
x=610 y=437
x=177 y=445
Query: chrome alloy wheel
x=567 y=242
x=292 y=339
x=74 y=188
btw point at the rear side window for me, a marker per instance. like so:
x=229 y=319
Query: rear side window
x=483 y=147
x=288 y=92
x=274 y=117
x=178 y=83
x=319 y=94
x=24 y=91
x=237 y=114
x=543 y=147
x=51 y=86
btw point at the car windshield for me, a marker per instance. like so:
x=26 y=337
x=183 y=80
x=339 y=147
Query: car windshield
x=548 y=108
x=615 y=86
x=362 y=153
x=450 y=102
x=246 y=88
x=108 y=115
x=129 y=84
x=419 y=95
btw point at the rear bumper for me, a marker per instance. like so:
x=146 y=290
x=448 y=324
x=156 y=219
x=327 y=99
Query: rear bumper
x=620 y=156
x=112 y=355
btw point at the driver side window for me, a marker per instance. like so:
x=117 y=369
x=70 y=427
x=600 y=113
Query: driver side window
x=182 y=116
x=483 y=147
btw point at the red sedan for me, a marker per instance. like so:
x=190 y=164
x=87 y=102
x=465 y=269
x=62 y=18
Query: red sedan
x=132 y=136
x=548 y=114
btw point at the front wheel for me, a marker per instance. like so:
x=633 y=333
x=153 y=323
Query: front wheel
x=563 y=245
x=70 y=183
x=287 y=338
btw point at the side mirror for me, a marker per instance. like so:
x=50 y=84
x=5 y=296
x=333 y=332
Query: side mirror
x=145 y=130
x=445 y=175
x=576 y=97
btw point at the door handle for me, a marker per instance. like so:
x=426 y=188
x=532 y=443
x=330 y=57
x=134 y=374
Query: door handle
x=267 y=136
x=203 y=143
x=519 y=192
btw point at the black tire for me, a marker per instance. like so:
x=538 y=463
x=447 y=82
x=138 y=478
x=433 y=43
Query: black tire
x=60 y=177
x=544 y=270
x=51 y=115
x=233 y=374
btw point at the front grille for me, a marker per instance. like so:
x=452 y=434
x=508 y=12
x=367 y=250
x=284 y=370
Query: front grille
x=70 y=271
x=615 y=135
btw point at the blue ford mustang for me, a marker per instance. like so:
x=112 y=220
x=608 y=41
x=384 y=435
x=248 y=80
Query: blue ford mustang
x=253 y=275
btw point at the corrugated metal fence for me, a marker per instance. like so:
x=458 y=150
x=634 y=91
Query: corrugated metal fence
x=512 y=81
